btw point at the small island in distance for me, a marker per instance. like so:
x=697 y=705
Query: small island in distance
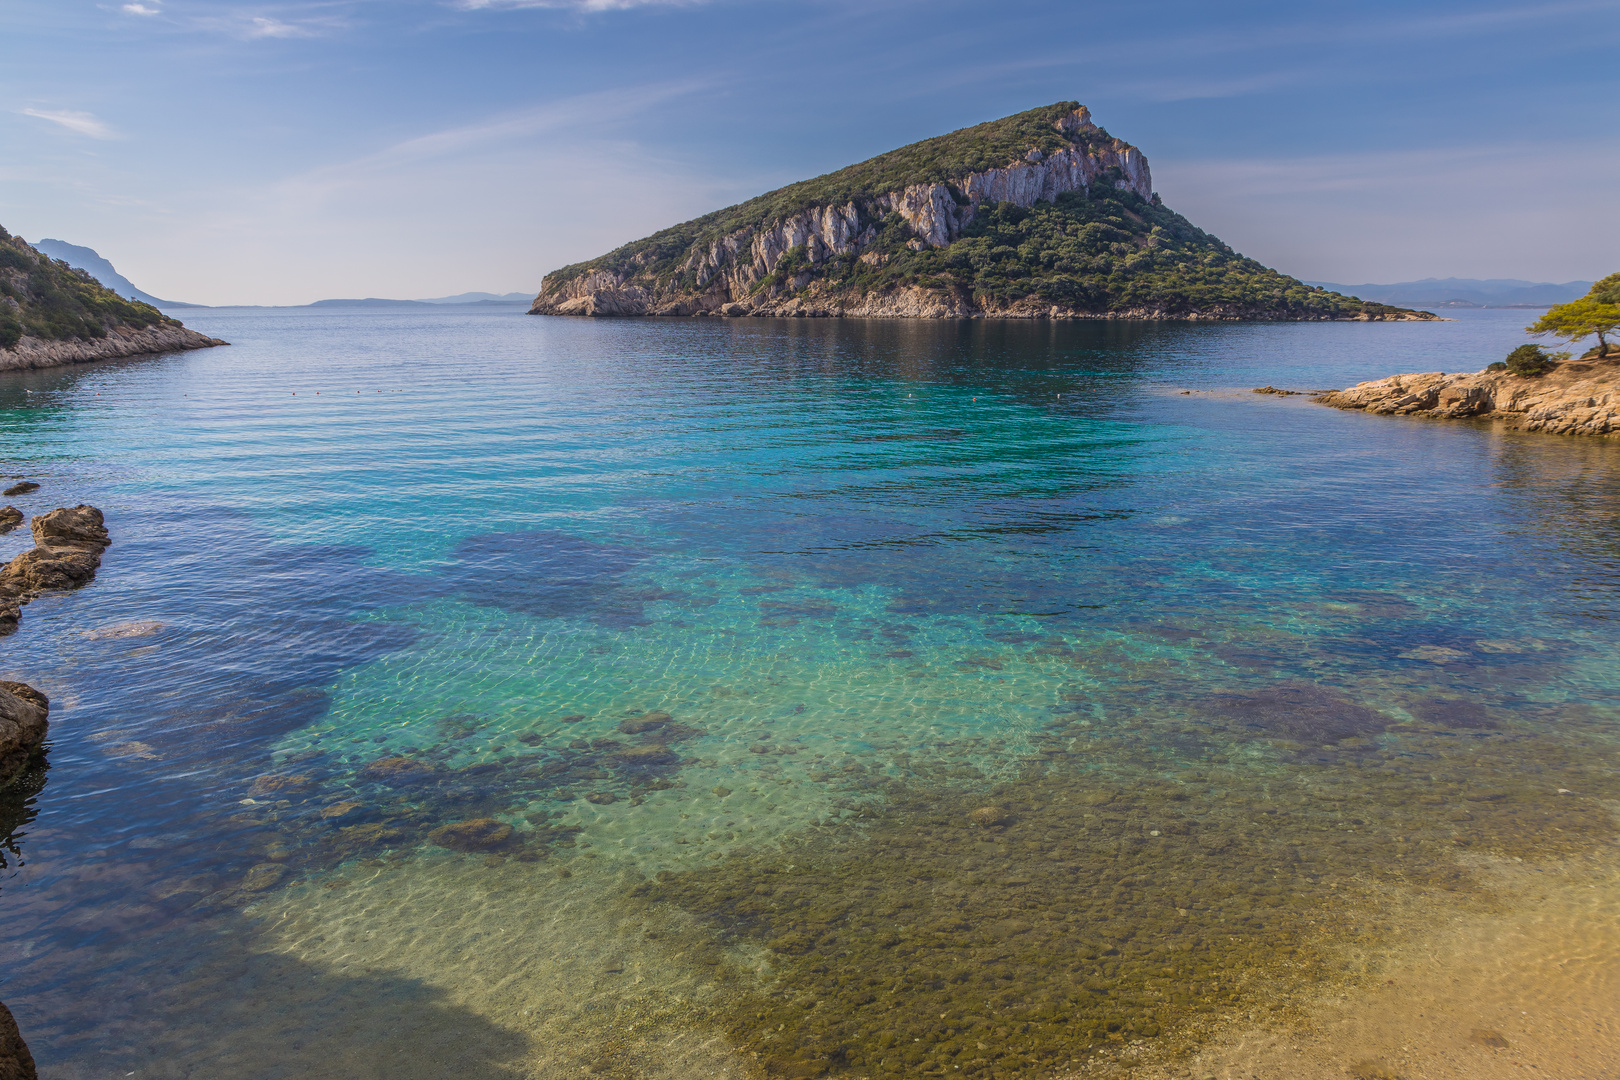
x=1038 y=215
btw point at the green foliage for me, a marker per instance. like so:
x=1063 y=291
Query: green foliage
x=1109 y=250
x=1528 y=360
x=45 y=298
x=1597 y=314
x=1498 y=366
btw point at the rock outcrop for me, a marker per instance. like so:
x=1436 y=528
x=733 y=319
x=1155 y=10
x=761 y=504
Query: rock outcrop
x=32 y=352
x=16 y=1063
x=24 y=714
x=926 y=231
x=68 y=543
x=1576 y=397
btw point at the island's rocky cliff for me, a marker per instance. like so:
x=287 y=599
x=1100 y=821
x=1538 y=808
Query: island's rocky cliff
x=52 y=314
x=1042 y=214
x=1575 y=397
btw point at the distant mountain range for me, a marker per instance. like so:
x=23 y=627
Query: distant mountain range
x=472 y=299
x=88 y=260
x=1465 y=292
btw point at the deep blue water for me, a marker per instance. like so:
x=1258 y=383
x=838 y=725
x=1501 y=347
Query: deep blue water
x=917 y=548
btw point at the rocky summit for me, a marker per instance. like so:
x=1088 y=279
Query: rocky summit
x=52 y=314
x=1038 y=215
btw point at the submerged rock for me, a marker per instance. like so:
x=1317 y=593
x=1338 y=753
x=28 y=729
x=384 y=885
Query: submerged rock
x=10 y=518
x=68 y=543
x=651 y=754
x=20 y=489
x=279 y=783
x=478 y=834
x=989 y=815
x=16 y=1063
x=398 y=771
x=1302 y=713
x=263 y=876
x=138 y=628
x=645 y=722
x=23 y=723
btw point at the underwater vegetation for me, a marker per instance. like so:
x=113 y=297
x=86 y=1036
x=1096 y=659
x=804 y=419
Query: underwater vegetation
x=1010 y=931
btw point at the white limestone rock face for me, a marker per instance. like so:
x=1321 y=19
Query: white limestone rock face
x=721 y=278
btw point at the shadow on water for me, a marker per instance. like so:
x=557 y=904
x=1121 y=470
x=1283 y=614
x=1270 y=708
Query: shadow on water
x=185 y=997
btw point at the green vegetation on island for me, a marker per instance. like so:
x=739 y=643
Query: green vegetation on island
x=1106 y=250
x=45 y=298
x=1597 y=314
x=1042 y=213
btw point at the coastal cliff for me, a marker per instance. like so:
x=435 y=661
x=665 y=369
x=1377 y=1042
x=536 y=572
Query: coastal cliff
x=1038 y=215
x=52 y=314
x=1575 y=397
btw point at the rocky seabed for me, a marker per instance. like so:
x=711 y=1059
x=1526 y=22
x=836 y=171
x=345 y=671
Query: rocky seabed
x=32 y=352
x=1575 y=398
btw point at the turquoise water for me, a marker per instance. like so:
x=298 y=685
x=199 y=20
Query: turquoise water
x=674 y=605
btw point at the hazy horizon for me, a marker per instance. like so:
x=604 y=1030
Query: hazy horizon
x=285 y=152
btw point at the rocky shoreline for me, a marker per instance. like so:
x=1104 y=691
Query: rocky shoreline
x=16 y=1063
x=68 y=543
x=24 y=719
x=121 y=341
x=603 y=294
x=1575 y=397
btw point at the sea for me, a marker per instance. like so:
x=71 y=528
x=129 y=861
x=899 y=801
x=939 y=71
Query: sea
x=471 y=694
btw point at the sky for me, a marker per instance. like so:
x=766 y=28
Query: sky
x=223 y=151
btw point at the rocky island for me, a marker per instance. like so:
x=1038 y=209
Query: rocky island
x=1038 y=215
x=52 y=314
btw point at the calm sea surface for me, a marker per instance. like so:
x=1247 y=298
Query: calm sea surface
x=510 y=696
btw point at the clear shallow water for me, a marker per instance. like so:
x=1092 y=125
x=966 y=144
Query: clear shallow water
x=732 y=627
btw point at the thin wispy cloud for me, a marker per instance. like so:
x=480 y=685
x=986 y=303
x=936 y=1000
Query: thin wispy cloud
x=594 y=111
x=570 y=5
x=141 y=9
x=80 y=123
x=264 y=27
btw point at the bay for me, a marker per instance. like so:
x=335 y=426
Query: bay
x=827 y=697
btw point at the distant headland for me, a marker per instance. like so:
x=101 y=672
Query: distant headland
x=1038 y=215
x=52 y=314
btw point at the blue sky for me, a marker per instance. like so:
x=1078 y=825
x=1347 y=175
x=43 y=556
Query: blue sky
x=221 y=151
